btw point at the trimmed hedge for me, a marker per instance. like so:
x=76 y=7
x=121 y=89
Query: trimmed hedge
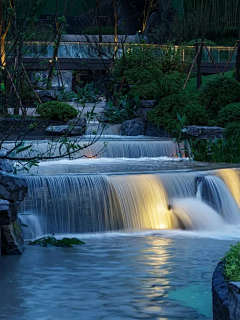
x=55 y=110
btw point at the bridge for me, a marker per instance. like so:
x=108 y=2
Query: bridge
x=86 y=53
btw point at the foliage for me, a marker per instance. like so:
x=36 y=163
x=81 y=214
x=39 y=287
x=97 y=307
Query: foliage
x=223 y=36
x=219 y=92
x=180 y=131
x=55 y=110
x=164 y=115
x=124 y=110
x=87 y=93
x=51 y=241
x=150 y=72
x=232 y=263
x=206 y=41
x=228 y=114
x=216 y=150
x=232 y=130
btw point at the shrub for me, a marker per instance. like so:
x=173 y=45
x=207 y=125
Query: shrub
x=232 y=265
x=206 y=41
x=153 y=83
x=219 y=92
x=233 y=130
x=165 y=114
x=228 y=114
x=55 y=110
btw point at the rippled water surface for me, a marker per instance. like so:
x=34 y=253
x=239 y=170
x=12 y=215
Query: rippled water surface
x=112 y=278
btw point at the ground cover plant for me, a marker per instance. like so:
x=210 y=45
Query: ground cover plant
x=232 y=263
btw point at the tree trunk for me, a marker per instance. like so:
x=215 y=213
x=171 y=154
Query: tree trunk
x=199 y=64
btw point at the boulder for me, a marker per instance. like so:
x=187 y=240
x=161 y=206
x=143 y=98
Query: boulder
x=12 y=187
x=142 y=113
x=202 y=132
x=6 y=165
x=81 y=122
x=5 y=212
x=12 y=239
x=135 y=127
x=154 y=131
x=67 y=129
x=48 y=95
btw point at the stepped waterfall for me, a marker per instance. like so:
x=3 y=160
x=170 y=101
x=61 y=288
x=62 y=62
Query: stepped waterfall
x=87 y=203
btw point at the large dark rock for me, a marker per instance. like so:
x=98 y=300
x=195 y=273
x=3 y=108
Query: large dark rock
x=220 y=294
x=135 y=127
x=154 y=131
x=201 y=132
x=48 y=95
x=12 y=239
x=234 y=300
x=142 y=113
x=6 y=165
x=67 y=129
x=80 y=122
x=12 y=187
x=5 y=212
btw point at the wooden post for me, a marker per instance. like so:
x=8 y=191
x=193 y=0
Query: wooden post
x=230 y=58
x=194 y=61
x=15 y=90
x=212 y=59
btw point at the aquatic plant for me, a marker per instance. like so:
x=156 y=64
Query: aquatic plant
x=52 y=241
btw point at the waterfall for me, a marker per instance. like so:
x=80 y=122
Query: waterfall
x=197 y=215
x=118 y=148
x=99 y=203
x=231 y=177
x=143 y=202
x=216 y=193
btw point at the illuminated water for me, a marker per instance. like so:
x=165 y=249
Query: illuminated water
x=154 y=228
x=164 y=276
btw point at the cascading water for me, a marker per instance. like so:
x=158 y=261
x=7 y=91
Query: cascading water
x=117 y=148
x=99 y=203
x=231 y=177
x=215 y=192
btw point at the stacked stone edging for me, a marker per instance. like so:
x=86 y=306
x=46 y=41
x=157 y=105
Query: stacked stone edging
x=220 y=294
x=12 y=192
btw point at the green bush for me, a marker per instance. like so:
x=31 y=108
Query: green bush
x=153 y=83
x=232 y=263
x=218 y=93
x=55 y=110
x=165 y=114
x=228 y=114
x=233 y=130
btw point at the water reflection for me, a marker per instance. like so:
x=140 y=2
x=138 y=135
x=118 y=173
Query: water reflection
x=119 y=277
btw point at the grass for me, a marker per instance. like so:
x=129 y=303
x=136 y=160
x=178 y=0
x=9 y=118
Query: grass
x=192 y=83
x=232 y=266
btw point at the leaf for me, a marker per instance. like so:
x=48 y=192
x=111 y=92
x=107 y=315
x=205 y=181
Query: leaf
x=23 y=149
x=24 y=225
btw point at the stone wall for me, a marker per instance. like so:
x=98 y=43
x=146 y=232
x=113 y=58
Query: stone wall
x=220 y=294
x=234 y=300
x=12 y=191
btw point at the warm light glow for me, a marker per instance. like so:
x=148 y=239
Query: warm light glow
x=162 y=226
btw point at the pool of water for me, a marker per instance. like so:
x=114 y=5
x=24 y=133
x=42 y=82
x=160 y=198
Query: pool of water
x=161 y=275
